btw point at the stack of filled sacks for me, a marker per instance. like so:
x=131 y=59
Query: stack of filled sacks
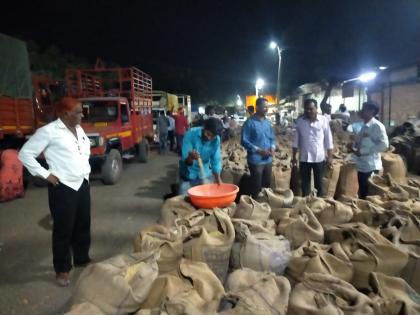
x=279 y=254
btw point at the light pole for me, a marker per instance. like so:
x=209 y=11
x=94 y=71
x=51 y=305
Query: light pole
x=273 y=45
x=258 y=86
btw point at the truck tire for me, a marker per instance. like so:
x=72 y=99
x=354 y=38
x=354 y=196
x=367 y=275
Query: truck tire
x=112 y=168
x=143 y=151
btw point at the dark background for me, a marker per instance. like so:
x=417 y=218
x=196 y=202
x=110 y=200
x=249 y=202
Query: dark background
x=214 y=50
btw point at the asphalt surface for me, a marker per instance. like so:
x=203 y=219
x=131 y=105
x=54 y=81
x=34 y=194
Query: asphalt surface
x=27 y=283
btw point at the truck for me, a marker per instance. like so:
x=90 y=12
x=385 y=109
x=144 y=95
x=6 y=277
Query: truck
x=26 y=99
x=184 y=101
x=117 y=109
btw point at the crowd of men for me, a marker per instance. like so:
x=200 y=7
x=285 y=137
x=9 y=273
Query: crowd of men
x=66 y=149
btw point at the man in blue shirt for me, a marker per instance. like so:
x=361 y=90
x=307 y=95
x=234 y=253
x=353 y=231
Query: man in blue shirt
x=201 y=142
x=258 y=139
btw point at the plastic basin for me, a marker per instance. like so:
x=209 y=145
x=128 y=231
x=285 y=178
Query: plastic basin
x=213 y=195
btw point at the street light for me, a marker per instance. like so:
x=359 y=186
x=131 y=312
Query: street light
x=273 y=45
x=365 y=77
x=258 y=86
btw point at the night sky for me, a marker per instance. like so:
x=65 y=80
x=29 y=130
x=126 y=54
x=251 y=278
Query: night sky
x=214 y=50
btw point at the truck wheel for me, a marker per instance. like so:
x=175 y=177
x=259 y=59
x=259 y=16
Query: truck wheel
x=143 y=151
x=112 y=168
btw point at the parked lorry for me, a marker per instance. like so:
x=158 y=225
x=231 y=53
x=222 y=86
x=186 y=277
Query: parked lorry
x=163 y=102
x=117 y=109
x=26 y=99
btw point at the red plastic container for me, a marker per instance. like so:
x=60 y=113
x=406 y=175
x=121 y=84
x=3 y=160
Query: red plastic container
x=213 y=195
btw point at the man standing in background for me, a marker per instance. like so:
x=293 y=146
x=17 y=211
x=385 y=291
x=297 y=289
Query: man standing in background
x=181 y=126
x=162 y=127
x=371 y=140
x=171 y=131
x=312 y=138
x=258 y=139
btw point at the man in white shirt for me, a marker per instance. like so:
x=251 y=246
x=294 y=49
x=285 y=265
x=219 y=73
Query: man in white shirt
x=66 y=149
x=370 y=141
x=312 y=139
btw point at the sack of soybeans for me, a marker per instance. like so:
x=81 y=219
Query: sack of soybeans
x=211 y=243
x=394 y=165
x=118 y=285
x=280 y=177
x=250 y=209
x=323 y=294
x=259 y=252
x=312 y=257
x=386 y=186
x=348 y=184
x=368 y=251
x=278 y=198
x=301 y=226
x=330 y=179
x=168 y=241
x=255 y=293
x=192 y=277
x=335 y=212
x=174 y=208
x=257 y=226
x=397 y=297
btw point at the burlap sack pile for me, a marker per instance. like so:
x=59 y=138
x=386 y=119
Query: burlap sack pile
x=367 y=250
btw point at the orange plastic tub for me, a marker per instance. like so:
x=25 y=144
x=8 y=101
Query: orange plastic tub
x=213 y=195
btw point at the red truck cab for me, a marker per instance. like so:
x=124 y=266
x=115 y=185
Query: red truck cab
x=117 y=109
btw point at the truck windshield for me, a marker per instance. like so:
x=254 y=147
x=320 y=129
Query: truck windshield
x=100 y=111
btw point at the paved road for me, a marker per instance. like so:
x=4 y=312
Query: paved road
x=118 y=213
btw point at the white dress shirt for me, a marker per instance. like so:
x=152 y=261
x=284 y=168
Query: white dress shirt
x=312 y=139
x=66 y=156
x=371 y=141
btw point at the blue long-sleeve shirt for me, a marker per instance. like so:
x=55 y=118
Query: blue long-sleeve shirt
x=209 y=152
x=257 y=134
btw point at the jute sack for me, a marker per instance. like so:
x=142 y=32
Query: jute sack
x=280 y=177
x=312 y=257
x=212 y=246
x=403 y=229
x=250 y=209
x=85 y=308
x=386 y=186
x=335 y=212
x=301 y=226
x=155 y=311
x=330 y=179
x=255 y=293
x=368 y=251
x=189 y=276
x=316 y=204
x=168 y=241
x=261 y=252
x=257 y=227
x=174 y=208
x=398 y=296
x=280 y=213
x=323 y=294
x=117 y=285
x=279 y=198
x=394 y=165
x=366 y=212
x=348 y=184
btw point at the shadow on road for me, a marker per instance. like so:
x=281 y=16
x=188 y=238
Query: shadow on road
x=155 y=187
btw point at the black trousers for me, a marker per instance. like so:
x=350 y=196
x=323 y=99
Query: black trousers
x=171 y=138
x=363 y=178
x=260 y=177
x=306 y=176
x=70 y=211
